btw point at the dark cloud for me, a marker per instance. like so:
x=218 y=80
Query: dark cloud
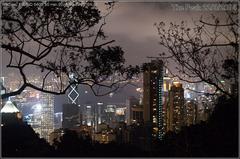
x=131 y=24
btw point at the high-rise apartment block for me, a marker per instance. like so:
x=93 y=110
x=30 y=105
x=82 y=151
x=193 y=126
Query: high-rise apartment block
x=176 y=108
x=152 y=97
x=43 y=115
x=191 y=112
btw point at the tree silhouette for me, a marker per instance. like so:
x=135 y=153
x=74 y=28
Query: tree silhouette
x=73 y=144
x=217 y=137
x=63 y=42
x=20 y=140
x=207 y=52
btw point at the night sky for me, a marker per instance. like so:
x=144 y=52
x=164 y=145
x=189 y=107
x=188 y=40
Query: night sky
x=131 y=25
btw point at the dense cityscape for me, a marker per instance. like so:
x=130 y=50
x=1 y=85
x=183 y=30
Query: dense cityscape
x=151 y=114
x=174 y=104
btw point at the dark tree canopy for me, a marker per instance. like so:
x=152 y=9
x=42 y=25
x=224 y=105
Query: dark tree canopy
x=63 y=43
x=206 y=52
x=20 y=140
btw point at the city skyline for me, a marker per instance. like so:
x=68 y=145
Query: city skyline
x=140 y=79
x=31 y=102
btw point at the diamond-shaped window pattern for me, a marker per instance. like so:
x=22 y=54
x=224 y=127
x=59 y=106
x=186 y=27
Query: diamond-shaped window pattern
x=73 y=94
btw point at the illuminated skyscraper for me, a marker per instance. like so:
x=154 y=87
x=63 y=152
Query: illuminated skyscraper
x=3 y=90
x=176 y=108
x=73 y=92
x=134 y=112
x=70 y=116
x=167 y=81
x=48 y=113
x=89 y=114
x=58 y=118
x=152 y=97
x=191 y=112
x=43 y=114
x=10 y=114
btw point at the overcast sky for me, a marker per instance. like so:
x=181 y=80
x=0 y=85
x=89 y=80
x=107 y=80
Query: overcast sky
x=132 y=26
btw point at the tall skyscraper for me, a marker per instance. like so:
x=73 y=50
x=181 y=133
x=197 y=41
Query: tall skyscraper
x=152 y=97
x=43 y=114
x=73 y=92
x=58 y=118
x=191 y=112
x=10 y=114
x=88 y=114
x=70 y=116
x=176 y=109
x=167 y=81
x=3 y=91
x=48 y=114
x=134 y=111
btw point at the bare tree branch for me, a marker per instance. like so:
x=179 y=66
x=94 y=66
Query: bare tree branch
x=60 y=41
x=197 y=51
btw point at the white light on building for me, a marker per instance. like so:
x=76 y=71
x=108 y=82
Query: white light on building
x=111 y=94
x=37 y=107
x=9 y=107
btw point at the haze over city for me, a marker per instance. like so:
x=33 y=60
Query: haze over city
x=79 y=82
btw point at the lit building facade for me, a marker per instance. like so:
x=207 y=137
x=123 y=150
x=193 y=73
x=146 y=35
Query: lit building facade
x=58 y=118
x=88 y=114
x=37 y=107
x=120 y=114
x=167 y=82
x=42 y=119
x=152 y=97
x=70 y=116
x=191 y=112
x=176 y=108
x=3 y=90
x=110 y=117
x=10 y=114
x=48 y=114
x=134 y=111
